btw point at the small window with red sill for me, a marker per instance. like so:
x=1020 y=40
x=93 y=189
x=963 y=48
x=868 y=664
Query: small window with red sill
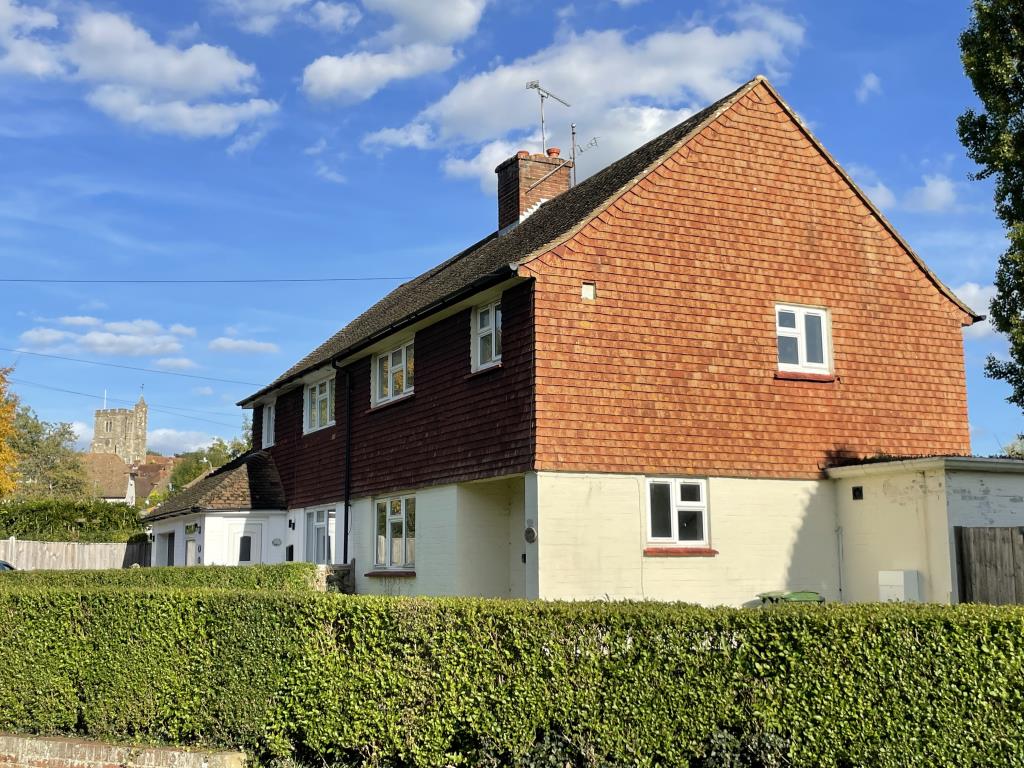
x=803 y=339
x=677 y=512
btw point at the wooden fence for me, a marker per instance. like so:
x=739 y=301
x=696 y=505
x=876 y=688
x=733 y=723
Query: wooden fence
x=67 y=555
x=990 y=565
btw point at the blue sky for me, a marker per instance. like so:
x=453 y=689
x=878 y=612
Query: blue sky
x=226 y=139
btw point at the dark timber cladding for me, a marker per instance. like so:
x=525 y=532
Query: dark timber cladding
x=456 y=426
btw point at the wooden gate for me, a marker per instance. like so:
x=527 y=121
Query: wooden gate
x=990 y=565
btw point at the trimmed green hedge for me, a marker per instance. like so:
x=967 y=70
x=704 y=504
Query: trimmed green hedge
x=286 y=576
x=69 y=520
x=420 y=682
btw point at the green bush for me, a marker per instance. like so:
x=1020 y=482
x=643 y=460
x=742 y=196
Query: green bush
x=287 y=577
x=330 y=679
x=69 y=520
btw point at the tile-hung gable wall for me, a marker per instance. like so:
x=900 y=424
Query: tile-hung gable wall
x=672 y=368
x=456 y=426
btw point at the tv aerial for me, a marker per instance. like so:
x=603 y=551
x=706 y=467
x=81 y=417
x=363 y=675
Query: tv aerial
x=544 y=93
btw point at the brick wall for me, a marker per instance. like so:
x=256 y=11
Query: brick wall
x=57 y=752
x=457 y=426
x=672 y=368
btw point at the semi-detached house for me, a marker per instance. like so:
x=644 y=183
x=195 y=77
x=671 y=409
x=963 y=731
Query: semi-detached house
x=636 y=387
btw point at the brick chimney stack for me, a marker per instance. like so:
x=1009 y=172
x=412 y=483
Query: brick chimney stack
x=518 y=174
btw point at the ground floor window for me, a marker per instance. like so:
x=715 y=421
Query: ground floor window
x=396 y=532
x=318 y=535
x=677 y=511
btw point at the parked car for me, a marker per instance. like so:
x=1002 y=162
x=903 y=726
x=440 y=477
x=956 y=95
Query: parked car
x=5 y=566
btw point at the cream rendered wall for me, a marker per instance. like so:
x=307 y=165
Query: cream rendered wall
x=900 y=524
x=769 y=534
x=463 y=535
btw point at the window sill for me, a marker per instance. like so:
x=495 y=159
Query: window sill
x=314 y=431
x=389 y=573
x=392 y=401
x=680 y=552
x=485 y=369
x=804 y=376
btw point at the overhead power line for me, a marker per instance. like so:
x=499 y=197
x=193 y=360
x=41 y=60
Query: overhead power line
x=129 y=367
x=152 y=407
x=226 y=281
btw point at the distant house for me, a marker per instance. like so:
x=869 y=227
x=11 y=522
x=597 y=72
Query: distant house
x=650 y=385
x=109 y=478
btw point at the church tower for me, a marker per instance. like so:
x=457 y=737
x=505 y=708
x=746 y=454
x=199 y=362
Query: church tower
x=122 y=431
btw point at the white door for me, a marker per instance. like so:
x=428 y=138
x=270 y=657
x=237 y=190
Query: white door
x=247 y=544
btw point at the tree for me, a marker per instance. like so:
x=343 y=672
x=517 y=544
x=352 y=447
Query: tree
x=47 y=463
x=8 y=456
x=992 y=50
x=194 y=464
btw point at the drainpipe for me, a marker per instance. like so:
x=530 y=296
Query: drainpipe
x=348 y=461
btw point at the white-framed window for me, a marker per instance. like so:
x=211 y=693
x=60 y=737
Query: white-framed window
x=486 y=350
x=677 y=511
x=319 y=410
x=393 y=374
x=395 y=525
x=319 y=523
x=803 y=338
x=269 y=413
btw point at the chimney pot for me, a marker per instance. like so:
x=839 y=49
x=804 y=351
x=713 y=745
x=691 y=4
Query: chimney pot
x=554 y=151
x=522 y=153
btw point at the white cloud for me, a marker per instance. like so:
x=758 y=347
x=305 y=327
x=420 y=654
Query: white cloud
x=176 y=363
x=140 y=327
x=83 y=435
x=259 y=16
x=327 y=173
x=936 y=194
x=177 y=117
x=79 y=320
x=202 y=391
x=880 y=195
x=127 y=344
x=358 y=76
x=419 y=21
x=333 y=17
x=185 y=34
x=977 y=297
x=19 y=52
x=107 y=48
x=624 y=90
x=226 y=344
x=172 y=441
x=45 y=337
x=316 y=147
x=870 y=84
x=196 y=91
x=132 y=338
x=247 y=142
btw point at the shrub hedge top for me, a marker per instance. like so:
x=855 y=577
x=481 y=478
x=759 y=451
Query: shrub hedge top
x=284 y=577
x=69 y=520
x=377 y=681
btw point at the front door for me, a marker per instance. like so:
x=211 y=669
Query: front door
x=247 y=543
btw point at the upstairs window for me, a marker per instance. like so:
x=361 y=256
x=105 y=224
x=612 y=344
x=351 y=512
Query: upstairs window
x=487 y=336
x=268 y=425
x=803 y=342
x=319 y=404
x=677 y=512
x=393 y=374
x=396 y=532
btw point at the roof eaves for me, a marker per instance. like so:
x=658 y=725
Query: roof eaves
x=406 y=321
